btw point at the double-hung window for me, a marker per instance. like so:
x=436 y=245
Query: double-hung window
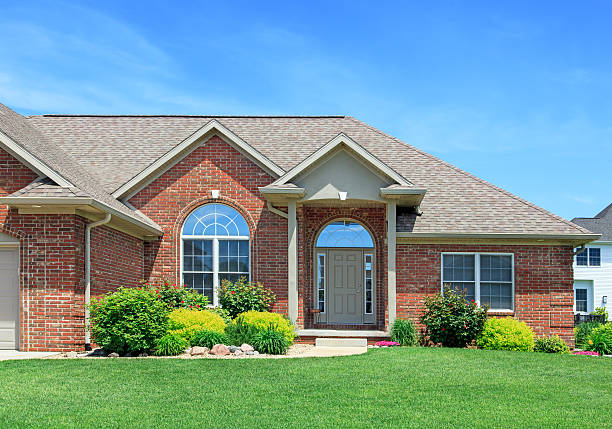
x=215 y=247
x=591 y=257
x=488 y=279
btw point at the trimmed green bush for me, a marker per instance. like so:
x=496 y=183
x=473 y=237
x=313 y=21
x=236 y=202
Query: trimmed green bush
x=208 y=339
x=223 y=313
x=552 y=344
x=128 y=321
x=506 y=334
x=451 y=320
x=600 y=340
x=170 y=345
x=404 y=332
x=582 y=332
x=242 y=296
x=270 y=341
x=238 y=332
x=187 y=322
x=262 y=320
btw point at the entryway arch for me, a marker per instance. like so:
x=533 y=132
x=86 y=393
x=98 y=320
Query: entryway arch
x=344 y=280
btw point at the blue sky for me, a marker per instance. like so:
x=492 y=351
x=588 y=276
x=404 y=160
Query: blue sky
x=519 y=93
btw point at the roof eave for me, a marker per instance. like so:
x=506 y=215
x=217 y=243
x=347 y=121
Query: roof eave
x=573 y=239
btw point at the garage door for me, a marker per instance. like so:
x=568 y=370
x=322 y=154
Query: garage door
x=9 y=298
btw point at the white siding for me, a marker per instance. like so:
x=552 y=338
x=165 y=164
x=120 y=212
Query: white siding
x=600 y=276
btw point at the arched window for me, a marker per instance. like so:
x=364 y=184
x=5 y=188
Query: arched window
x=215 y=240
x=345 y=233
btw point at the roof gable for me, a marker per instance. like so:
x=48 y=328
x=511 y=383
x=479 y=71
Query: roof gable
x=187 y=146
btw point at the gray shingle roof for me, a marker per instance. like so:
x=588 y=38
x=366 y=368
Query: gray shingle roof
x=29 y=137
x=116 y=148
x=600 y=224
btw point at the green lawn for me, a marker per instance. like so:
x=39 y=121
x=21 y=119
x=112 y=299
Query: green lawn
x=408 y=387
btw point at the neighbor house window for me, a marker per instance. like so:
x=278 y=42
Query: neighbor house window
x=581 y=300
x=488 y=279
x=215 y=247
x=590 y=257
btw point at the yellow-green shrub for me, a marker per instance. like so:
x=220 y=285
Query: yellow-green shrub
x=506 y=334
x=260 y=320
x=186 y=323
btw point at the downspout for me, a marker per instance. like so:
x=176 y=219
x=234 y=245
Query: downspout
x=277 y=211
x=579 y=251
x=88 y=229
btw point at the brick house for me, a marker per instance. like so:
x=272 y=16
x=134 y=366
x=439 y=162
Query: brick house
x=350 y=227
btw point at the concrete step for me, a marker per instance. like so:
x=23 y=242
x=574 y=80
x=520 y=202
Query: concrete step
x=341 y=342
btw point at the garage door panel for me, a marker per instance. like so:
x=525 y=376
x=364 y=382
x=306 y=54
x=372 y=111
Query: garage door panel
x=9 y=298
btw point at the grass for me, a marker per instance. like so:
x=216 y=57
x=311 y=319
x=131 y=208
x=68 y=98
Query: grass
x=407 y=387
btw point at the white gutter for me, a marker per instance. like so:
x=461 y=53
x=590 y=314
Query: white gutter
x=88 y=229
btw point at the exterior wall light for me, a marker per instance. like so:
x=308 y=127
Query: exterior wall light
x=215 y=194
x=604 y=300
x=342 y=196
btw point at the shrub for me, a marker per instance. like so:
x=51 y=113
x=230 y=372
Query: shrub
x=506 y=334
x=404 y=332
x=170 y=345
x=238 y=333
x=600 y=340
x=451 y=320
x=242 y=296
x=582 y=332
x=178 y=296
x=552 y=344
x=223 y=313
x=262 y=320
x=600 y=311
x=186 y=323
x=128 y=321
x=270 y=341
x=208 y=339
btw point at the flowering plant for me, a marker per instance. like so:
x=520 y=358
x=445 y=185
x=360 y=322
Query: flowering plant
x=178 y=296
x=452 y=320
x=586 y=353
x=241 y=296
x=387 y=343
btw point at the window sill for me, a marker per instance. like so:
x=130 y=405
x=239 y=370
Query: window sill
x=501 y=313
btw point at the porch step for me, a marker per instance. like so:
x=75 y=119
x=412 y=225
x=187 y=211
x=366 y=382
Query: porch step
x=341 y=342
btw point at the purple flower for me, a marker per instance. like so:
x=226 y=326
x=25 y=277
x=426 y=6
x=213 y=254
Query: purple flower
x=586 y=353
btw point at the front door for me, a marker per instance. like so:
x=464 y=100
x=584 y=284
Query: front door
x=345 y=287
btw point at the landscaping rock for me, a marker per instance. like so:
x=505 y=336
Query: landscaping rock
x=220 y=350
x=250 y=353
x=238 y=352
x=141 y=355
x=199 y=351
x=113 y=355
x=247 y=348
x=256 y=353
x=187 y=351
x=72 y=354
x=97 y=353
x=232 y=349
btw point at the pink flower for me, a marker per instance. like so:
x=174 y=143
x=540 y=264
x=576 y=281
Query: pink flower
x=159 y=296
x=190 y=306
x=198 y=305
x=233 y=292
x=443 y=329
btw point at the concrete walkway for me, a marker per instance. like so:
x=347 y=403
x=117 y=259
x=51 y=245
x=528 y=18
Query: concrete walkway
x=15 y=354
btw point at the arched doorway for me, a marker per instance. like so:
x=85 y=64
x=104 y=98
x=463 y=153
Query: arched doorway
x=345 y=289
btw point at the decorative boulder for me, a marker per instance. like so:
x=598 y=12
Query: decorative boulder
x=247 y=348
x=232 y=349
x=199 y=351
x=113 y=355
x=220 y=350
x=238 y=352
x=72 y=354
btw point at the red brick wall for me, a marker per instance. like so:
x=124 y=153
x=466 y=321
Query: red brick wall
x=13 y=177
x=187 y=185
x=543 y=282
x=310 y=222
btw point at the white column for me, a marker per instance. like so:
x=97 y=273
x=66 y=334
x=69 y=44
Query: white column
x=292 y=262
x=391 y=282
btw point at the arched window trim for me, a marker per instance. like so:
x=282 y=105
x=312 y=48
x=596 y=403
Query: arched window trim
x=368 y=234
x=224 y=253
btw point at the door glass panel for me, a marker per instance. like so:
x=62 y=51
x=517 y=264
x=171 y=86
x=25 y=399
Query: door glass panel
x=368 y=284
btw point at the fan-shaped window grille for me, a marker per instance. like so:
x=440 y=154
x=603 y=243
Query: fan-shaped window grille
x=216 y=220
x=345 y=234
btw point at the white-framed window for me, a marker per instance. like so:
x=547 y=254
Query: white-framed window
x=487 y=278
x=591 y=257
x=368 y=270
x=583 y=296
x=321 y=281
x=214 y=247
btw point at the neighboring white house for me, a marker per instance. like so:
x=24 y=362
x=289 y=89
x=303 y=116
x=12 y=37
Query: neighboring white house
x=593 y=267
